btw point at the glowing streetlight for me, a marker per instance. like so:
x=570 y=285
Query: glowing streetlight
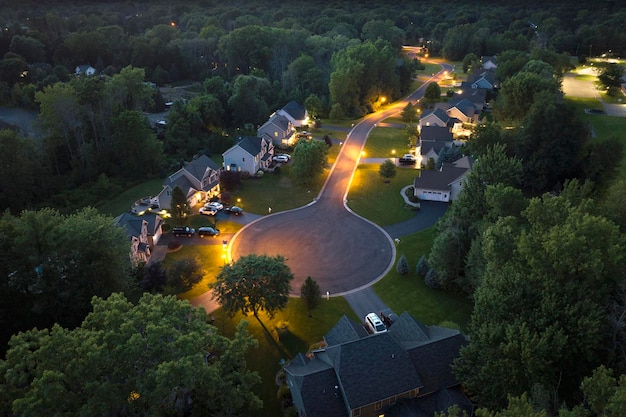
x=224 y=247
x=393 y=152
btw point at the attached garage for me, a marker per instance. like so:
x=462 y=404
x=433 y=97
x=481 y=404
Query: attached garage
x=442 y=185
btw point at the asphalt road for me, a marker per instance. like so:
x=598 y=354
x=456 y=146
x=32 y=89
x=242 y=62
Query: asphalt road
x=343 y=252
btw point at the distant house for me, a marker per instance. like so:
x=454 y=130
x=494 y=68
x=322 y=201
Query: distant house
x=279 y=130
x=84 y=70
x=489 y=62
x=144 y=233
x=464 y=110
x=249 y=154
x=402 y=372
x=436 y=117
x=199 y=180
x=478 y=96
x=442 y=185
x=432 y=140
x=485 y=79
x=296 y=114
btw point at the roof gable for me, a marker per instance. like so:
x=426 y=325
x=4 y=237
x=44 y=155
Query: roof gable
x=295 y=110
x=344 y=331
x=198 y=167
x=278 y=120
x=250 y=144
x=439 y=179
x=436 y=134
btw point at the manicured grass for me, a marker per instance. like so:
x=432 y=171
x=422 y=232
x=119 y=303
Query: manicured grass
x=276 y=191
x=300 y=333
x=409 y=293
x=378 y=201
x=382 y=141
x=124 y=201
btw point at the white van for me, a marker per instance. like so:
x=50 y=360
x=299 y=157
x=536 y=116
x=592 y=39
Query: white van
x=374 y=324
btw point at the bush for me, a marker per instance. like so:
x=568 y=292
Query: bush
x=422 y=267
x=403 y=266
x=432 y=279
x=245 y=175
x=174 y=244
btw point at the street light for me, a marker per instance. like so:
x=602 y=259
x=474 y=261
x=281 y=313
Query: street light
x=224 y=246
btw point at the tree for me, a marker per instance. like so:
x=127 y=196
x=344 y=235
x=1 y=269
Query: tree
x=309 y=161
x=517 y=95
x=159 y=357
x=252 y=284
x=153 y=277
x=57 y=263
x=470 y=62
x=433 y=92
x=422 y=267
x=403 y=265
x=311 y=294
x=543 y=303
x=18 y=171
x=184 y=273
x=179 y=206
x=409 y=113
x=314 y=106
x=387 y=170
x=611 y=76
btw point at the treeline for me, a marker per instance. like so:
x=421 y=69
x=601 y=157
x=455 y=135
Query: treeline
x=536 y=239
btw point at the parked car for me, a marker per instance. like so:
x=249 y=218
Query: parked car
x=183 y=231
x=407 y=159
x=208 y=231
x=237 y=211
x=216 y=204
x=374 y=324
x=208 y=211
x=280 y=158
x=286 y=155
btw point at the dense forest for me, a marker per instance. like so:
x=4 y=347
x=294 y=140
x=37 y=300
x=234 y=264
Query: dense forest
x=536 y=240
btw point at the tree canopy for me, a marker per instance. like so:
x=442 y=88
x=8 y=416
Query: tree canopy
x=159 y=357
x=252 y=284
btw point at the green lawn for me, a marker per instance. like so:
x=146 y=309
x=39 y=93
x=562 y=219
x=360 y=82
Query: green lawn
x=409 y=293
x=123 y=202
x=383 y=141
x=378 y=201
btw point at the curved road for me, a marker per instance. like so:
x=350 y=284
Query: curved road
x=342 y=251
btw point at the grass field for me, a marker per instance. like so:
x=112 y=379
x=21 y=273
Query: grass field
x=387 y=142
x=123 y=202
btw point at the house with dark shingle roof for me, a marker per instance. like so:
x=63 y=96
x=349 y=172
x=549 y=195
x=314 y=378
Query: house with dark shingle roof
x=199 y=180
x=432 y=140
x=295 y=112
x=436 y=117
x=404 y=369
x=444 y=184
x=144 y=233
x=250 y=154
x=279 y=130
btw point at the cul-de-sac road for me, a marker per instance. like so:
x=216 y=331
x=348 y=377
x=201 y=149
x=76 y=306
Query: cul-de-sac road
x=325 y=240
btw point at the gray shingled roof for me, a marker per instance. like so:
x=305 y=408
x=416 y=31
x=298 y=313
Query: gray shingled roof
x=198 y=166
x=436 y=134
x=131 y=224
x=251 y=144
x=346 y=330
x=466 y=107
x=438 y=180
x=279 y=120
x=296 y=110
x=372 y=368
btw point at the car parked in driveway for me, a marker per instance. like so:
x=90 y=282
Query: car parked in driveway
x=216 y=204
x=208 y=231
x=280 y=158
x=373 y=324
x=408 y=159
x=183 y=231
x=237 y=211
x=208 y=211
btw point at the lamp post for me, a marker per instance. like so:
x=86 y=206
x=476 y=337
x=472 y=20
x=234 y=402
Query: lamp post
x=224 y=246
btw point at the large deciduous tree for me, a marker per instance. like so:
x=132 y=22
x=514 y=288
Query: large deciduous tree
x=159 y=357
x=252 y=284
x=56 y=264
x=179 y=207
x=18 y=171
x=543 y=313
x=309 y=161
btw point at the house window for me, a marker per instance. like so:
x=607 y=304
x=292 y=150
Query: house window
x=356 y=413
x=243 y=159
x=275 y=134
x=378 y=405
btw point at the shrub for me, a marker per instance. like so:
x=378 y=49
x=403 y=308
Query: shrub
x=403 y=265
x=245 y=175
x=432 y=279
x=422 y=267
x=174 y=244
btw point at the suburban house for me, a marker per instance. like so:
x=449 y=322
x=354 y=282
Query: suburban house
x=279 y=130
x=84 y=70
x=485 y=79
x=296 y=114
x=442 y=185
x=249 y=154
x=199 y=180
x=436 y=117
x=489 y=62
x=432 y=139
x=402 y=372
x=144 y=233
